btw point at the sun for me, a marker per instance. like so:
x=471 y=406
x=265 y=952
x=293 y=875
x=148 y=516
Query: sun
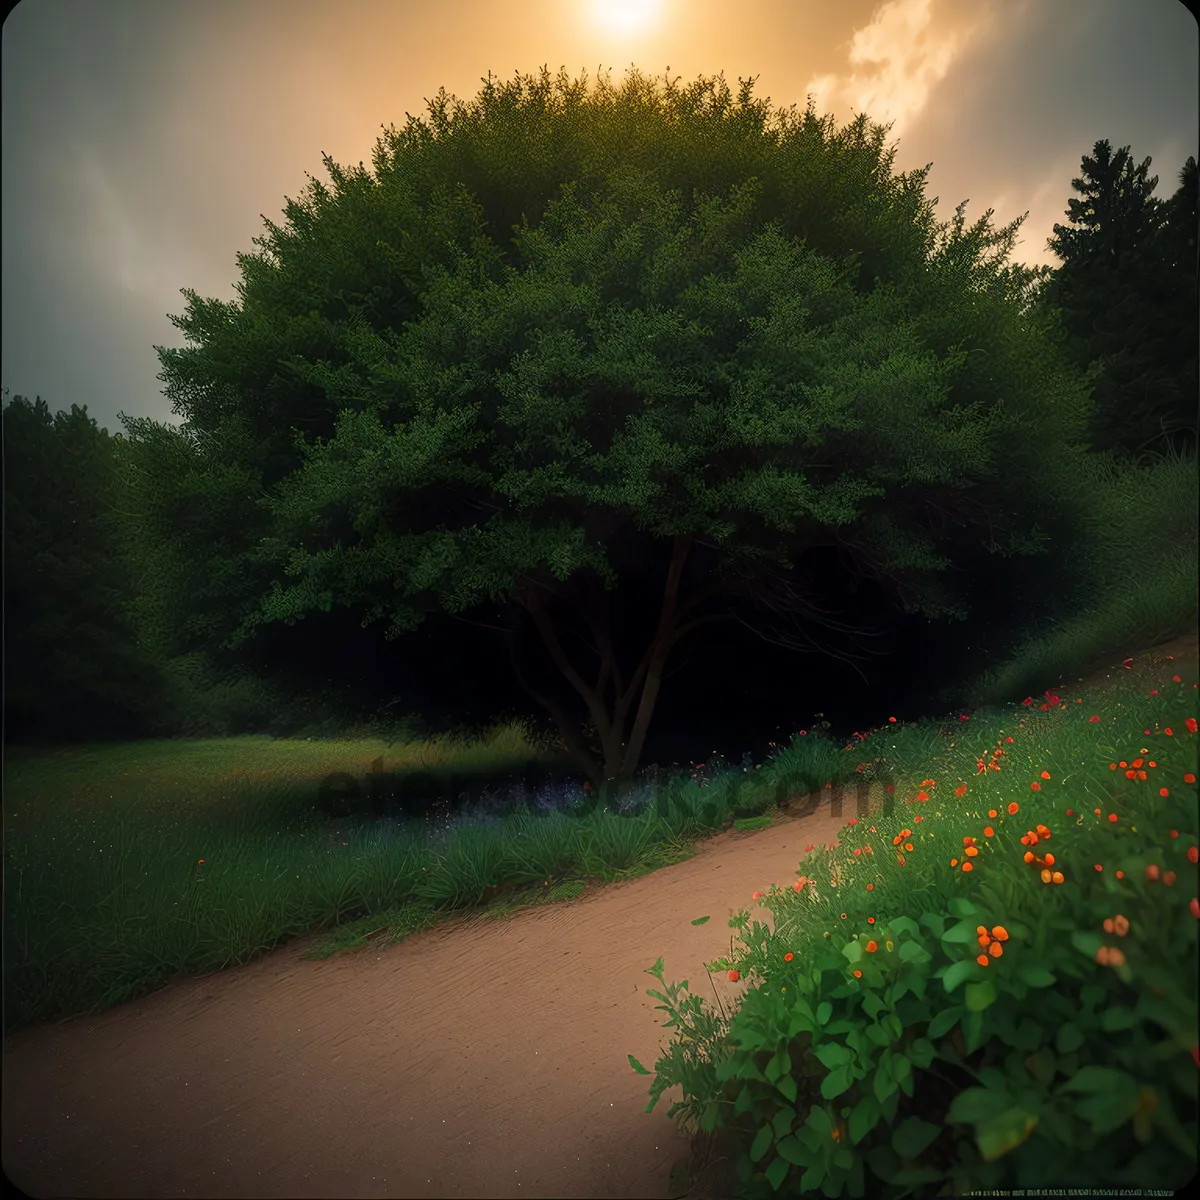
x=624 y=16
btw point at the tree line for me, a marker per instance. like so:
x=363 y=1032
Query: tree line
x=566 y=355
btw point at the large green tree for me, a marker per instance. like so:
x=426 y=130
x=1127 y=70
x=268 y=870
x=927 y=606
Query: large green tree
x=1127 y=294
x=551 y=345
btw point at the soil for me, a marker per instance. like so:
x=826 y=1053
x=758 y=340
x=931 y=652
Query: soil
x=480 y=1058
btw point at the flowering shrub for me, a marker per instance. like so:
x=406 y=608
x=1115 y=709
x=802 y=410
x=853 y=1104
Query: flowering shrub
x=999 y=1015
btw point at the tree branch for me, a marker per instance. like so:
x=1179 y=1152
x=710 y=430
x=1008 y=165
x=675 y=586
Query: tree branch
x=530 y=599
x=572 y=739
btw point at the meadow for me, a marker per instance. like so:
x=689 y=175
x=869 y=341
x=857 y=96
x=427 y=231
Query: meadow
x=1017 y=918
x=990 y=981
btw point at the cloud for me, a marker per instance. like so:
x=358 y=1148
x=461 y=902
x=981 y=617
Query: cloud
x=898 y=59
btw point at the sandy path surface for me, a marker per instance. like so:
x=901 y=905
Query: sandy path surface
x=479 y=1058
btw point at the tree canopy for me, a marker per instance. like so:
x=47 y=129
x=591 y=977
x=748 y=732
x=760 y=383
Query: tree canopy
x=75 y=663
x=547 y=341
x=1127 y=292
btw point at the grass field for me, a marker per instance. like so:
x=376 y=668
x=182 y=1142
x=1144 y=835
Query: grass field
x=126 y=865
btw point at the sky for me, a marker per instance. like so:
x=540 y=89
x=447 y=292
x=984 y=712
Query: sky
x=143 y=141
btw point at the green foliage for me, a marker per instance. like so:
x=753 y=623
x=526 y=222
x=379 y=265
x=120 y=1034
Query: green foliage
x=1127 y=296
x=75 y=663
x=554 y=321
x=1130 y=573
x=604 y=408
x=882 y=1055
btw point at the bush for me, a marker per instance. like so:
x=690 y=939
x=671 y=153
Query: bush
x=1011 y=1006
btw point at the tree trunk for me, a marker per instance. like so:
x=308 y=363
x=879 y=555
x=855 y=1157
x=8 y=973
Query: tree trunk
x=620 y=754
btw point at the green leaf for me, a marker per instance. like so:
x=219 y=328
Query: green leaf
x=1086 y=942
x=792 y=1149
x=978 y=1104
x=934 y=922
x=1036 y=977
x=1114 y=1019
x=1099 y=1079
x=872 y=1004
x=979 y=996
x=959 y=906
x=852 y=952
x=864 y=1118
x=836 y=1083
x=921 y=1052
x=1029 y=1035
x=1069 y=1039
x=944 y=1021
x=1043 y=1064
x=904 y=925
x=762 y=1143
x=819 y=1121
x=832 y=1055
x=637 y=1066
x=1092 y=994
x=884 y=1086
x=783 y=1121
x=777 y=1172
x=962 y=933
x=914 y=952
x=824 y=1012
x=1000 y=1134
x=883 y=1161
x=1107 y=1111
x=912 y=1136
x=957 y=972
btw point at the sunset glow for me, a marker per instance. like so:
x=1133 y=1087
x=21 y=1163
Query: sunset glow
x=625 y=16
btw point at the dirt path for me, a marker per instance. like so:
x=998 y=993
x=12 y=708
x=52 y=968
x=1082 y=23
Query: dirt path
x=480 y=1058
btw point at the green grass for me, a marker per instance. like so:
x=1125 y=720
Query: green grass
x=127 y=865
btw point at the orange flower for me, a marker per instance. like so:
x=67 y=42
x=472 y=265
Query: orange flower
x=1000 y=933
x=992 y=812
x=989 y=831
x=857 y=974
x=872 y=946
x=1151 y=873
x=983 y=960
x=1046 y=876
x=734 y=976
x=954 y=862
x=1057 y=877
x=995 y=949
x=971 y=851
x=967 y=867
x=1013 y=808
x=1049 y=860
x=908 y=846
x=1037 y=787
